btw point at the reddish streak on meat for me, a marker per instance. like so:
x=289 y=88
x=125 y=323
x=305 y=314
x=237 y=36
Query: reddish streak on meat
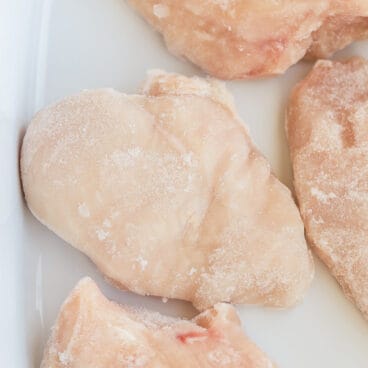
x=191 y=335
x=194 y=336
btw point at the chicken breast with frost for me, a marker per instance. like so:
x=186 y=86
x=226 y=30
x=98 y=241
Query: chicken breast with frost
x=93 y=331
x=166 y=193
x=238 y=39
x=347 y=21
x=328 y=134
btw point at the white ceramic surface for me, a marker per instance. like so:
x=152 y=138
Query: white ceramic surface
x=49 y=49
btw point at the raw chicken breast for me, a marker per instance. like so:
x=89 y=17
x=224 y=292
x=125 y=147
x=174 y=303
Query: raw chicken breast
x=347 y=22
x=235 y=39
x=92 y=331
x=166 y=193
x=328 y=134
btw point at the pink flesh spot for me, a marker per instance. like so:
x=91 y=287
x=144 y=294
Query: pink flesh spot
x=196 y=336
x=192 y=336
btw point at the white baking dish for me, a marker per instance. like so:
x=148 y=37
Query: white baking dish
x=49 y=49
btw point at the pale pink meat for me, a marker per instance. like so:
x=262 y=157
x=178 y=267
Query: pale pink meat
x=347 y=22
x=236 y=39
x=328 y=135
x=166 y=193
x=92 y=331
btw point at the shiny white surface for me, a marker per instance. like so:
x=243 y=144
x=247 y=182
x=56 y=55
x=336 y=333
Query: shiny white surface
x=60 y=47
